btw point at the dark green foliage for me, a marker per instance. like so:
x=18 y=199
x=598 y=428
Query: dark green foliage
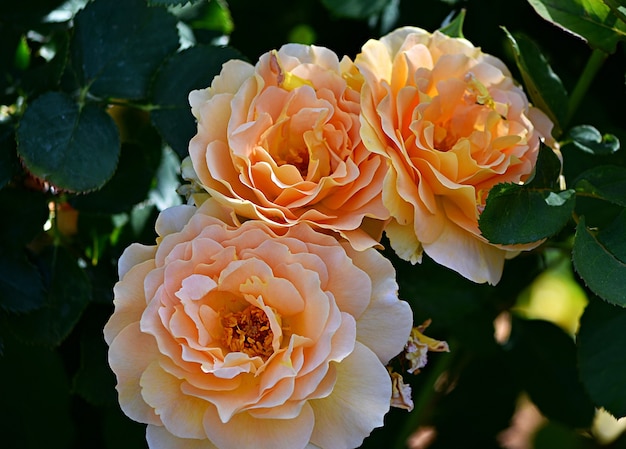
x=95 y=120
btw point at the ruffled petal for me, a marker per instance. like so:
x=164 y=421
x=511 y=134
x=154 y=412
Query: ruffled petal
x=130 y=353
x=181 y=414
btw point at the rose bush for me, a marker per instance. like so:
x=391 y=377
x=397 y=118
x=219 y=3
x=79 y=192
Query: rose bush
x=452 y=123
x=279 y=141
x=233 y=336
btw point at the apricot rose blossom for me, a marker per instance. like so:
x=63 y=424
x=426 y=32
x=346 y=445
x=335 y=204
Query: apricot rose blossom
x=452 y=124
x=232 y=336
x=279 y=142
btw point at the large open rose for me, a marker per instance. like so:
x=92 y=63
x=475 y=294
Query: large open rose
x=279 y=141
x=452 y=123
x=235 y=337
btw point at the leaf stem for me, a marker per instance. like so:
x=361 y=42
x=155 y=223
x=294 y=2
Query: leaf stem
x=614 y=7
x=594 y=63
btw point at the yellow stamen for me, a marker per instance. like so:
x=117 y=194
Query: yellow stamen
x=286 y=80
x=248 y=331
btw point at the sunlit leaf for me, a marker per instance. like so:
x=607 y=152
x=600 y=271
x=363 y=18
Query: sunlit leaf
x=588 y=139
x=164 y=193
x=213 y=16
x=543 y=85
x=602 y=359
x=544 y=360
x=590 y=20
x=190 y=69
x=72 y=148
x=597 y=263
x=117 y=56
x=455 y=27
x=528 y=213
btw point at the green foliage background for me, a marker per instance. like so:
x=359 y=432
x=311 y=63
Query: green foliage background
x=94 y=121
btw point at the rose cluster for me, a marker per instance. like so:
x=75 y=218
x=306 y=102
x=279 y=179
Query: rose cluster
x=264 y=316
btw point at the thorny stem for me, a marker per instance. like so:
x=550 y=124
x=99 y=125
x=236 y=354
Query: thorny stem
x=584 y=81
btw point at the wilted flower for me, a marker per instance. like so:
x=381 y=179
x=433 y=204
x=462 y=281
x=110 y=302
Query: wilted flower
x=453 y=124
x=234 y=336
x=418 y=346
x=400 y=392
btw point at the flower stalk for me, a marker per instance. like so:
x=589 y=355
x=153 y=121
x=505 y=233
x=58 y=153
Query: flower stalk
x=592 y=67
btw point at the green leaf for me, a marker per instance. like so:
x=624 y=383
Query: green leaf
x=68 y=292
x=213 y=16
x=547 y=169
x=128 y=186
x=602 y=359
x=517 y=215
x=21 y=286
x=190 y=69
x=71 y=148
x=543 y=358
x=355 y=9
x=46 y=76
x=33 y=383
x=591 y=20
x=613 y=236
x=597 y=264
x=605 y=182
x=588 y=139
x=455 y=27
x=543 y=85
x=524 y=214
x=119 y=46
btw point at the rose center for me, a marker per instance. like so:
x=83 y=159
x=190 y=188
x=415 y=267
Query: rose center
x=297 y=158
x=248 y=331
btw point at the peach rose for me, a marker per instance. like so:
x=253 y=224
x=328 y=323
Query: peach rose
x=280 y=142
x=452 y=123
x=227 y=336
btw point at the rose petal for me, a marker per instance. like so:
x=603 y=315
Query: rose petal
x=360 y=399
x=182 y=415
x=130 y=353
x=244 y=431
x=159 y=438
